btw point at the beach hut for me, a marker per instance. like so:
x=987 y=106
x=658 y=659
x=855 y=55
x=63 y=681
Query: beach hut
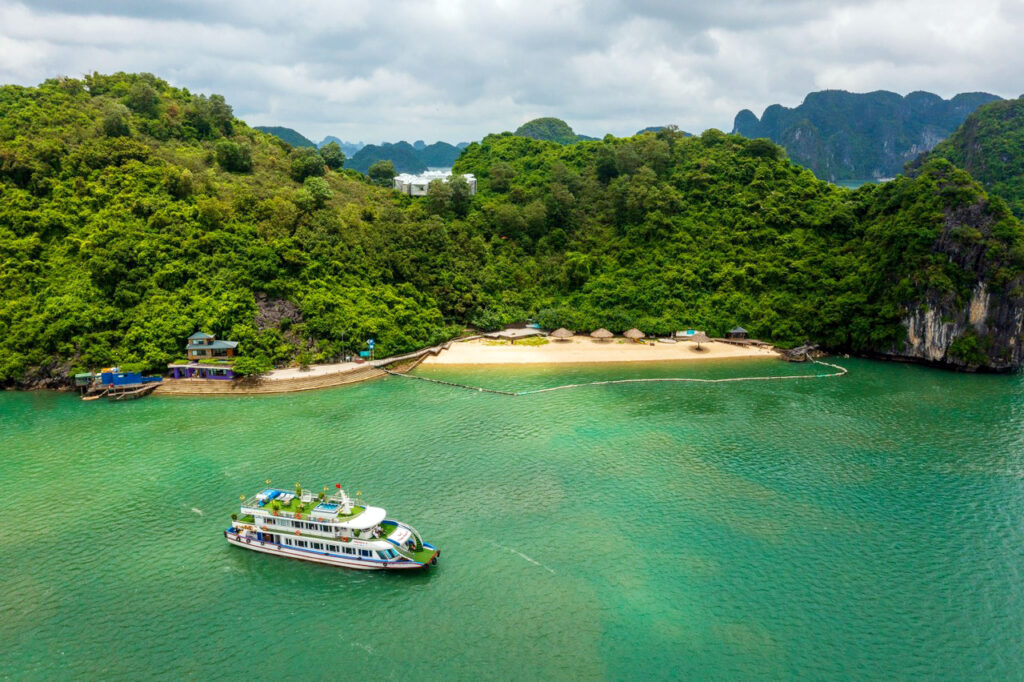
x=737 y=333
x=561 y=334
x=634 y=334
x=699 y=338
x=601 y=334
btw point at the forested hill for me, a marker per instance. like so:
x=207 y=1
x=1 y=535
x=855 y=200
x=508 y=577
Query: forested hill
x=292 y=137
x=859 y=136
x=133 y=213
x=718 y=230
x=990 y=146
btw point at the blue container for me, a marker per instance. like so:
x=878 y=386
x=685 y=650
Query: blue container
x=120 y=378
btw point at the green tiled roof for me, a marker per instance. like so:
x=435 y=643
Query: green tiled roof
x=216 y=345
x=200 y=335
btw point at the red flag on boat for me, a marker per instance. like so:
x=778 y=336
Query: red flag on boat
x=338 y=486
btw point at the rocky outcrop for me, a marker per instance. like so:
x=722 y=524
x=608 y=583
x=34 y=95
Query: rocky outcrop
x=982 y=331
x=271 y=312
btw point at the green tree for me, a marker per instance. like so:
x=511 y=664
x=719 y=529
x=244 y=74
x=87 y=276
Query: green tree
x=439 y=197
x=143 y=99
x=605 y=163
x=319 y=191
x=115 y=121
x=306 y=163
x=247 y=366
x=502 y=175
x=461 y=198
x=382 y=173
x=233 y=157
x=332 y=155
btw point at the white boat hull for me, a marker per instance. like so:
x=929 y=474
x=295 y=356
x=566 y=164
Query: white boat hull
x=319 y=557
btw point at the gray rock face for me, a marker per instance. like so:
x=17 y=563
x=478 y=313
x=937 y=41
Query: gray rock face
x=982 y=331
x=855 y=136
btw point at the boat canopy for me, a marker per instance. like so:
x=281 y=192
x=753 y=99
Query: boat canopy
x=370 y=517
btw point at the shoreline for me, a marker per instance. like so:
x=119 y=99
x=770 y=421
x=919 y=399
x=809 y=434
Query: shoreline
x=584 y=351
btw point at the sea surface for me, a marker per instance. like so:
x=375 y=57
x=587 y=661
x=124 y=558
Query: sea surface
x=862 y=527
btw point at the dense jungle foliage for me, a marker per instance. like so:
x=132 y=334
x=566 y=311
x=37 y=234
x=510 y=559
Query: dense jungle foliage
x=133 y=213
x=550 y=129
x=990 y=146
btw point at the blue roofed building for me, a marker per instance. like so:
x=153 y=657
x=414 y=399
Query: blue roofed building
x=215 y=355
x=205 y=346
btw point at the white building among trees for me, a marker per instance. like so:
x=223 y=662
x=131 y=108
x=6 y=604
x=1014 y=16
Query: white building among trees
x=417 y=185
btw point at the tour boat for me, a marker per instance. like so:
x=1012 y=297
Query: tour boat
x=333 y=530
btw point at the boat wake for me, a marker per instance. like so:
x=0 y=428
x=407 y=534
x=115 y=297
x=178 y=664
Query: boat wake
x=532 y=561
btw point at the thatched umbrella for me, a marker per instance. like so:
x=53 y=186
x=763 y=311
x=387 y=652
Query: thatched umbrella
x=561 y=334
x=634 y=334
x=601 y=334
x=699 y=338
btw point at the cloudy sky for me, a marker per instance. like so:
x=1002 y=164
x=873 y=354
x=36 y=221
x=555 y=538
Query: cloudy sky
x=459 y=69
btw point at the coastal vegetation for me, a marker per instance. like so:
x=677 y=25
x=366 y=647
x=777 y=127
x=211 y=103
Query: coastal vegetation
x=133 y=213
x=990 y=146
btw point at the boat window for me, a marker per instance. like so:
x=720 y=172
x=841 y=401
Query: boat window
x=383 y=555
x=364 y=552
x=349 y=550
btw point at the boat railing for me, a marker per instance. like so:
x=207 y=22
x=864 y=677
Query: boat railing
x=253 y=509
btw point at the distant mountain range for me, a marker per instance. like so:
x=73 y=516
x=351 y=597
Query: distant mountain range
x=842 y=135
x=407 y=158
x=350 y=148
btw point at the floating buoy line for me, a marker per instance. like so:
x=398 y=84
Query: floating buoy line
x=839 y=371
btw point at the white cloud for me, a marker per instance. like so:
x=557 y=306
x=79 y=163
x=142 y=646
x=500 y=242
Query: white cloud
x=459 y=69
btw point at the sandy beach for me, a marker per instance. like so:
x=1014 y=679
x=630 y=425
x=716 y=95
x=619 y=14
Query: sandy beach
x=583 y=349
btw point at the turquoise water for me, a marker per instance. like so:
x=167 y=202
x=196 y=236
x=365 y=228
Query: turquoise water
x=862 y=527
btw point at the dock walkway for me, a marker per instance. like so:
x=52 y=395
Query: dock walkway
x=291 y=380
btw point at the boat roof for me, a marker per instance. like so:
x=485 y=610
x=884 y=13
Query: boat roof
x=370 y=517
